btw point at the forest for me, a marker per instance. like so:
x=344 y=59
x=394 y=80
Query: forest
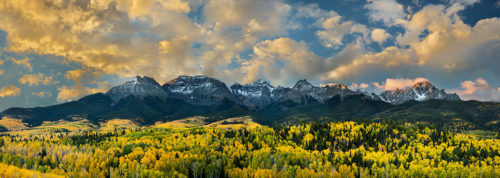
x=334 y=149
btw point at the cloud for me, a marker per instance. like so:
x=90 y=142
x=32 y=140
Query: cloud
x=379 y=35
x=333 y=31
x=42 y=94
x=70 y=93
x=478 y=90
x=1 y=72
x=85 y=84
x=355 y=86
x=118 y=37
x=388 y=11
x=9 y=91
x=392 y=84
x=24 y=62
x=156 y=38
x=1 y=62
x=281 y=60
x=459 y=5
x=36 y=79
x=333 y=28
x=433 y=44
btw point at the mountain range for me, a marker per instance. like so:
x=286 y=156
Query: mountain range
x=145 y=101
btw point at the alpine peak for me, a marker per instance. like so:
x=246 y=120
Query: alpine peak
x=420 y=91
x=139 y=87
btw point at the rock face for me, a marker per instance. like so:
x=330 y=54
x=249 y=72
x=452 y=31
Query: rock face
x=198 y=90
x=420 y=91
x=140 y=87
x=254 y=95
x=202 y=90
x=321 y=93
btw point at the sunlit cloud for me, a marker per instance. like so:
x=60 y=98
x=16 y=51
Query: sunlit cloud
x=242 y=40
x=36 y=79
x=478 y=89
x=388 y=11
x=392 y=84
x=25 y=62
x=9 y=91
x=42 y=94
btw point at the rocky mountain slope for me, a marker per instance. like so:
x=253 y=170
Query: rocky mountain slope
x=420 y=91
x=146 y=101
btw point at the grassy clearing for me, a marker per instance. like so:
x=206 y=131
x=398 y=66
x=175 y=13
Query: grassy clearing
x=118 y=124
x=12 y=124
x=197 y=121
x=13 y=171
x=234 y=123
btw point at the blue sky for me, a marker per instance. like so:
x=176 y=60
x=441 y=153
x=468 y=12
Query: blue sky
x=53 y=52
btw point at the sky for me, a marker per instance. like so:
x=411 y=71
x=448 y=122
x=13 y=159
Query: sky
x=54 y=51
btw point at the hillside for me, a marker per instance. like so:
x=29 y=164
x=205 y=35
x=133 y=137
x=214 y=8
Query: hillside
x=144 y=101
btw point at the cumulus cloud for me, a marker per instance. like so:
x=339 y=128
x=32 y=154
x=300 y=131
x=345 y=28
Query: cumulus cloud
x=137 y=37
x=42 y=94
x=458 y=5
x=9 y=91
x=280 y=60
x=432 y=42
x=23 y=62
x=85 y=84
x=388 y=11
x=379 y=35
x=333 y=28
x=118 y=37
x=167 y=38
x=479 y=89
x=36 y=79
x=392 y=84
x=360 y=86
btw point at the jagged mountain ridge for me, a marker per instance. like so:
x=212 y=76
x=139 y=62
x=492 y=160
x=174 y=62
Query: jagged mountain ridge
x=420 y=91
x=139 y=87
x=203 y=90
x=145 y=101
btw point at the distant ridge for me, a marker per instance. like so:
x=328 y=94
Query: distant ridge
x=146 y=101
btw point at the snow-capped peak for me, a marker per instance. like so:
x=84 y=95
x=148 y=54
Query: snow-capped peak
x=199 y=89
x=420 y=91
x=139 y=87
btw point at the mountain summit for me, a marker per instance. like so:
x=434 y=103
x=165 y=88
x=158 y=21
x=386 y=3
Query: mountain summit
x=420 y=91
x=139 y=87
x=203 y=90
x=199 y=90
x=145 y=101
x=254 y=95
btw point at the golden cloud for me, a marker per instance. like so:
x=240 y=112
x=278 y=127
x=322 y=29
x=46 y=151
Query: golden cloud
x=379 y=35
x=82 y=78
x=9 y=91
x=36 y=79
x=297 y=61
x=42 y=94
x=479 y=89
x=392 y=84
x=449 y=46
x=24 y=62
